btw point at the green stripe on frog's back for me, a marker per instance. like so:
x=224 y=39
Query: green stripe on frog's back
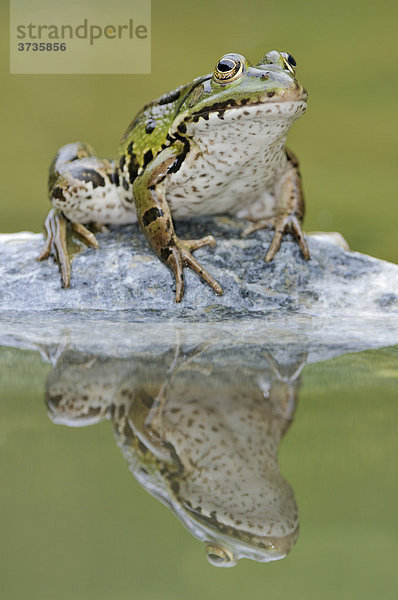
x=151 y=131
x=147 y=133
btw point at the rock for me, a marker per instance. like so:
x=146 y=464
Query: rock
x=125 y=275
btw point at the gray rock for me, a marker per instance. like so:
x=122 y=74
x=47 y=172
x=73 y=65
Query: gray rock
x=125 y=275
x=121 y=299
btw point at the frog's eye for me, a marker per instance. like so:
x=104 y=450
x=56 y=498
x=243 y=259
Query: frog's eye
x=218 y=556
x=289 y=62
x=229 y=68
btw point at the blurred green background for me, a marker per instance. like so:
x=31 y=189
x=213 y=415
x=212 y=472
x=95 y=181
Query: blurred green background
x=347 y=58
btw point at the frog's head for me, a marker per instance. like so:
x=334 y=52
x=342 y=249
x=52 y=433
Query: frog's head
x=257 y=521
x=238 y=90
x=252 y=518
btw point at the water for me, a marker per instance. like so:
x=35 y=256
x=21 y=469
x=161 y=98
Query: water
x=263 y=448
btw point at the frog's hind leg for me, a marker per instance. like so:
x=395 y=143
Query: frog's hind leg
x=83 y=190
x=56 y=242
x=290 y=212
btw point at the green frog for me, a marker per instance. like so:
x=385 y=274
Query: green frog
x=213 y=146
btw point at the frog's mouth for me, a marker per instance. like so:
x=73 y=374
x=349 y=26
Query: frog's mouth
x=246 y=544
x=284 y=103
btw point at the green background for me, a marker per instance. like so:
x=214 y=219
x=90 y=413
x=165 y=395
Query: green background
x=347 y=58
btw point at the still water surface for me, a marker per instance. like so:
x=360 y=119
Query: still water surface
x=268 y=453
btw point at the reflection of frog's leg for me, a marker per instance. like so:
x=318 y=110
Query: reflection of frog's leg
x=178 y=364
x=285 y=386
x=82 y=190
x=288 y=372
x=155 y=219
x=290 y=210
x=146 y=411
x=53 y=352
x=182 y=364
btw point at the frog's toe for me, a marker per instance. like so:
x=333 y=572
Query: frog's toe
x=288 y=223
x=180 y=256
x=57 y=229
x=49 y=226
x=191 y=245
x=99 y=227
x=190 y=261
x=46 y=250
x=299 y=235
x=86 y=234
x=56 y=244
x=255 y=226
x=275 y=245
x=174 y=261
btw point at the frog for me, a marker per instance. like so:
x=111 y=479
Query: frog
x=214 y=146
x=199 y=427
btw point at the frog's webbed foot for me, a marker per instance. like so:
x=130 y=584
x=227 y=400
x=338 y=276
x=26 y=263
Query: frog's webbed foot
x=255 y=226
x=180 y=256
x=284 y=223
x=287 y=223
x=87 y=235
x=99 y=227
x=56 y=245
x=289 y=201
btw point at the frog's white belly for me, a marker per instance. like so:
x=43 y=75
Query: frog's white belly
x=201 y=188
x=234 y=162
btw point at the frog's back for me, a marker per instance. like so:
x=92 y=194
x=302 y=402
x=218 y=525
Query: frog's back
x=148 y=131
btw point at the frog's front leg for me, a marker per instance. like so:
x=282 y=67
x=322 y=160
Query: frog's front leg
x=289 y=213
x=82 y=189
x=155 y=219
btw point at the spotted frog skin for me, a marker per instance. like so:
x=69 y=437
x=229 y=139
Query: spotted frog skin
x=213 y=146
x=200 y=431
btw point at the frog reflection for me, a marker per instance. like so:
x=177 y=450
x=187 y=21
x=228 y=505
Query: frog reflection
x=202 y=435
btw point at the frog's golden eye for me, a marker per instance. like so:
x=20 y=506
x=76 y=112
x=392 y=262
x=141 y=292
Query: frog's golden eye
x=289 y=62
x=229 y=68
x=219 y=556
